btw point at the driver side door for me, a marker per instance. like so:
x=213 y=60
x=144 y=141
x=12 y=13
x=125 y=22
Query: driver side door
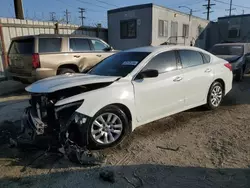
x=159 y=96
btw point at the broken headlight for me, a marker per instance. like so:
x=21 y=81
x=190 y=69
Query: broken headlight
x=79 y=118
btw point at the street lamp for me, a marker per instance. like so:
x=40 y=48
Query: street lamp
x=191 y=11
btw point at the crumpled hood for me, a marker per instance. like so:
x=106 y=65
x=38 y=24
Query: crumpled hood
x=229 y=58
x=60 y=82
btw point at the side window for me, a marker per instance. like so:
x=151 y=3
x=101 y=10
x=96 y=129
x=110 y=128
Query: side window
x=76 y=45
x=99 y=45
x=163 y=62
x=190 y=58
x=49 y=45
x=206 y=58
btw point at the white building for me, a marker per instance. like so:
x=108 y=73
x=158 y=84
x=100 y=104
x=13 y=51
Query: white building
x=150 y=24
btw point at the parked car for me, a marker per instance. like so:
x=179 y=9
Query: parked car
x=36 y=57
x=237 y=54
x=124 y=91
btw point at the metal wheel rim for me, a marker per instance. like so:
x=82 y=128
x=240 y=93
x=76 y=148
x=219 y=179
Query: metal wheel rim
x=216 y=96
x=106 y=128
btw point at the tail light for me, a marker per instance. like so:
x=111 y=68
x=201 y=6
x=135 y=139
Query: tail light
x=229 y=66
x=35 y=61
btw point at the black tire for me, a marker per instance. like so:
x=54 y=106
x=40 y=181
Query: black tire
x=92 y=143
x=210 y=105
x=239 y=74
x=65 y=71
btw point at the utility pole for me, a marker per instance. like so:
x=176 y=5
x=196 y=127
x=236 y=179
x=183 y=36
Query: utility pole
x=82 y=10
x=52 y=16
x=19 y=9
x=230 y=9
x=67 y=16
x=208 y=7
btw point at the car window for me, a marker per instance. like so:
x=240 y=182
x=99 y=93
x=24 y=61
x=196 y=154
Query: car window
x=162 y=62
x=77 y=44
x=49 y=45
x=207 y=58
x=25 y=46
x=99 y=45
x=190 y=58
x=119 y=64
x=227 y=50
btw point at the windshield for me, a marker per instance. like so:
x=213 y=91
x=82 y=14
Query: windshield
x=227 y=50
x=119 y=64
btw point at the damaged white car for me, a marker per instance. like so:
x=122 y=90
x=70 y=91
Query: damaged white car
x=124 y=91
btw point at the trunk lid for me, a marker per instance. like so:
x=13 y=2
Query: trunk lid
x=229 y=58
x=20 y=56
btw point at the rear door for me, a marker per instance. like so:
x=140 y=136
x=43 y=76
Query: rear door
x=101 y=49
x=197 y=76
x=20 y=56
x=82 y=53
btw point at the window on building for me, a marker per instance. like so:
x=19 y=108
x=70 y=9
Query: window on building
x=128 y=29
x=234 y=33
x=200 y=33
x=163 y=28
x=163 y=62
x=49 y=45
x=77 y=44
x=185 y=30
x=190 y=58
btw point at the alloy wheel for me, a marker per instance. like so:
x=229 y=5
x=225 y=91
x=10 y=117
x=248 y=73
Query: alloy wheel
x=106 y=128
x=216 y=96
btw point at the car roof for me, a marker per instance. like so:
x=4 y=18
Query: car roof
x=53 y=36
x=162 y=48
x=230 y=44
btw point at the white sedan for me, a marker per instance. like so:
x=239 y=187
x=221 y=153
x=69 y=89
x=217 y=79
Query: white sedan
x=124 y=91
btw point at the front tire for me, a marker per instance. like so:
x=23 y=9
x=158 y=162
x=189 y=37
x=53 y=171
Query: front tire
x=107 y=128
x=215 y=95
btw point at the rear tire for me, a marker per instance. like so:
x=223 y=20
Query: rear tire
x=215 y=95
x=239 y=74
x=65 y=71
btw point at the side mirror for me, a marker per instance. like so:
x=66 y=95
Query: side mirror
x=151 y=73
x=109 y=48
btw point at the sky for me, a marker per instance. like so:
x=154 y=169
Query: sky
x=96 y=10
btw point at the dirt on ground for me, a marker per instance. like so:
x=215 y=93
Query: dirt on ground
x=195 y=148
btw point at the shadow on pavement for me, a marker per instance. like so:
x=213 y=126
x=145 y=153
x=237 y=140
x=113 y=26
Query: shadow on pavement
x=144 y=175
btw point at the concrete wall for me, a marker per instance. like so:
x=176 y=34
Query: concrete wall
x=162 y=13
x=144 y=25
x=242 y=22
x=10 y=28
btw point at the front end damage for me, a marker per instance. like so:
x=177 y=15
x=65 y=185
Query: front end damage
x=60 y=128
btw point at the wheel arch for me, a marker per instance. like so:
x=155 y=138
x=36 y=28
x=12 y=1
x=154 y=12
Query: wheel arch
x=125 y=109
x=221 y=81
x=69 y=66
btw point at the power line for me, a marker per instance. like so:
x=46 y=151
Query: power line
x=208 y=7
x=67 y=4
x=223 y=2
x=106 y=3
x=67 y=13
x=93 y=4
x=82 y=10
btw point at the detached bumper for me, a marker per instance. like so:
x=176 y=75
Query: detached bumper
x=32 y=128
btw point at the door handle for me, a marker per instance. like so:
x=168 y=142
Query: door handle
x=208 y=70
x=177 y=79
x=76 y=56
x=98 y=55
